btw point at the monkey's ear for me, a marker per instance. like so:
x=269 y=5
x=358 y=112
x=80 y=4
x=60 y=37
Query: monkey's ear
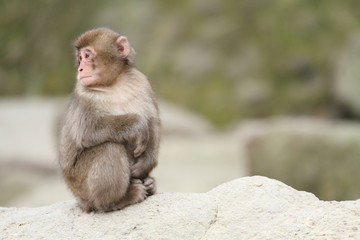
x=123 y=46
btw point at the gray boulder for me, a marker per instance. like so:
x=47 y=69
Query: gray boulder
x=347 y=84
x=313 y=155
x=246 y=208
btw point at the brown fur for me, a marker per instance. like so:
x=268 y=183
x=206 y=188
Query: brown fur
x=111 y=131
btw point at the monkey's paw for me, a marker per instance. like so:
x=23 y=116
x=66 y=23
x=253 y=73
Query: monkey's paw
x=140 y=149
x=138 y=170
x=139 y=192
x=150 y=185
x=141 y=143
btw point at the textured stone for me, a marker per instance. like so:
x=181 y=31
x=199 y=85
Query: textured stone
x=246 y=208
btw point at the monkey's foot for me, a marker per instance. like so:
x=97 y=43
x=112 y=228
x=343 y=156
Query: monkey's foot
x=150 y=185
x=137 y=193
x=84 y=206
x=136 y=181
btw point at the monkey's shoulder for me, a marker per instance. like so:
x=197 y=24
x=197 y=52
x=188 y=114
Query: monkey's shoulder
x=133 y=95
x=131 y=104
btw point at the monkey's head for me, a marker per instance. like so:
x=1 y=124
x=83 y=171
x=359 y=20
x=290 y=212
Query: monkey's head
x=101 y=55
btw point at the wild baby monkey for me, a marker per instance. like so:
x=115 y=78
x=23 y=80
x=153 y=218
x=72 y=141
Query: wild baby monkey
x=111 y=131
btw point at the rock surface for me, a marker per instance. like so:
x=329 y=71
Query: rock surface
x=246 y=208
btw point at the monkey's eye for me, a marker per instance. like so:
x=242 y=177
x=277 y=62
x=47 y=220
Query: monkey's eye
x=87 y=55
x=80 y=58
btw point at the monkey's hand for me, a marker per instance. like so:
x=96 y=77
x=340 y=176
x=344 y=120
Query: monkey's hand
x=139 y=169
x=141 y=142
x=143 y=165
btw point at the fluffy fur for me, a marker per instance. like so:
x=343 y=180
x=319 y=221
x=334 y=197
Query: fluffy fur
x=111 y=131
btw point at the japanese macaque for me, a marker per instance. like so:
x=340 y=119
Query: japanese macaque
x=110 y=136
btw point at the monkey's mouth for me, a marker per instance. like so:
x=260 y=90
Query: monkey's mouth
x=85 y=77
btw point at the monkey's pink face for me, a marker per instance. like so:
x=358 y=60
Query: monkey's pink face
x=86 y=72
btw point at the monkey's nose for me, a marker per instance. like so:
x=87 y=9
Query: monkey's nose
x=80 y=69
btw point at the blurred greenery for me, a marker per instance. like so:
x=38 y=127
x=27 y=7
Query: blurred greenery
x=228 y=60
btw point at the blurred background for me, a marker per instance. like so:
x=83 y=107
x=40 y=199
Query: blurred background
x=250 y=87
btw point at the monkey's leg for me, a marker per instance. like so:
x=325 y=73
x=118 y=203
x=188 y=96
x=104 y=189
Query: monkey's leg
x=144 y=163
x=109 y=176
x=136 y=193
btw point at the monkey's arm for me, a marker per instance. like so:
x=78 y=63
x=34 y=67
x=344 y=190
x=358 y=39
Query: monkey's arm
x=67 y=153
x=120 y=129
x=131 y=128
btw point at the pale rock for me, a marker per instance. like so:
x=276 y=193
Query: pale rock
x=245 y=208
